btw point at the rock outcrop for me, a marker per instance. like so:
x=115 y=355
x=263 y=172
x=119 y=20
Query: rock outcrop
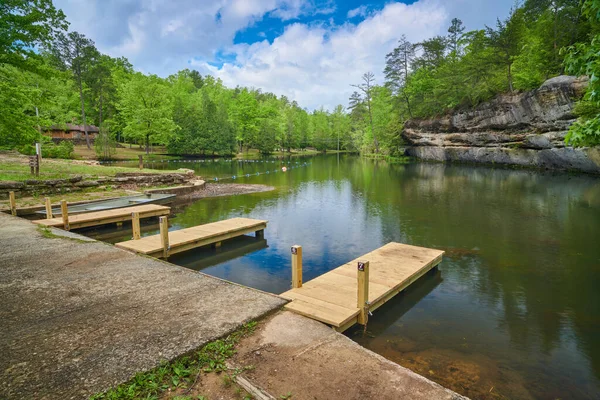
x=525 y=129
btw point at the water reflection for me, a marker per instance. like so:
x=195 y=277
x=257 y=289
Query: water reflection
x=207 y=256
x=517 y=313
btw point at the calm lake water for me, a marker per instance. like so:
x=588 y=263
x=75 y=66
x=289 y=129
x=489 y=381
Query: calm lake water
x=514 y=310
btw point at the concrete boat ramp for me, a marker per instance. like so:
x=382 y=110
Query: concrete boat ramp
x=80 y=317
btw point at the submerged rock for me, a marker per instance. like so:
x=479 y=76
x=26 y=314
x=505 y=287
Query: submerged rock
x=524 y=129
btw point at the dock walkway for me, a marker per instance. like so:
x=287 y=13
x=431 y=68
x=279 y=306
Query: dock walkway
x=332 y=298
x=107 y=216
x=196 y=236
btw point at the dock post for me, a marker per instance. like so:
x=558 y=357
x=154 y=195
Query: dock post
x=141 y=161
x=48 y=208
x=363 y=292
x=296 y=266
x=135 y=225
x=164 y=236
x=64 y=210
x=13 y=203
x=260 y=234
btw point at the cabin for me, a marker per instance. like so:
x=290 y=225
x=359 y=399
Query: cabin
x=71 y=132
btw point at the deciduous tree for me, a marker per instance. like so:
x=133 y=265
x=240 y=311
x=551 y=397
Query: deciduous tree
x=78 y=54
x=147 y=110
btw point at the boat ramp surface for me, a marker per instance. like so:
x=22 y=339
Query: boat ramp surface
x=81 y=317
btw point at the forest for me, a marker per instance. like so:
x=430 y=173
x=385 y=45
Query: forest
x=52 y=76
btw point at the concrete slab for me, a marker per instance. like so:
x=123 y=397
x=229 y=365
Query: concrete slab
x=80 y=317
x=292 y=354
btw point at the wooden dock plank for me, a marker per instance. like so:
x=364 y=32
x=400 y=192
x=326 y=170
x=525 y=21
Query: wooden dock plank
x=196 y=236
x=322 y=312
x=332 y=297
x=107 y=216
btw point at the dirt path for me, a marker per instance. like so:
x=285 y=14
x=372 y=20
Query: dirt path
x=228 y=189
x=290 y=356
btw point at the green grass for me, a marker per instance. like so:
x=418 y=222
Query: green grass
x=47 y=233
x=180 y=373
x=61 y=169
x=124 y=153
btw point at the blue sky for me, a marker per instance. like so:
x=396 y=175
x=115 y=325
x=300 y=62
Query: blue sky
x=309 y=50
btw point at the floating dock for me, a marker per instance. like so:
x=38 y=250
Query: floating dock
x=168 y=243
x=345 y=296
x=106 y=217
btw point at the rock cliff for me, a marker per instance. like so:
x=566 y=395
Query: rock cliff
x=525 y=129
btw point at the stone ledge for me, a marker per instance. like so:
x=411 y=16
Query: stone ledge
x=77 y=183
x=196 y=186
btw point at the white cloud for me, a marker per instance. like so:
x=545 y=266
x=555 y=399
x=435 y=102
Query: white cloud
x=358 y=11
x=315 y=65
x=292 y=9
x=162 y=36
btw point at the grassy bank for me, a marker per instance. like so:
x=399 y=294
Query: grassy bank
x=14 y=167
x=187 y=378
x=87 y=194
x=125 y=153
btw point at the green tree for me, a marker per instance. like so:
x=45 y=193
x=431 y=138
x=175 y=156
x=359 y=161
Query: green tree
x=78 y=54
x=146 y=106
x=321 y=129
x=433 y=53
x=584 y=59
x=105 y=145
x=455 y=38
x=246 y=118
x=398 y=65
x=16 y=121
x=505 y=39
x=340 y=126
x=24 y=26
x=366 y=87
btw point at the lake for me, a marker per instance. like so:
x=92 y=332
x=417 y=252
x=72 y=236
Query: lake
x=513 y=310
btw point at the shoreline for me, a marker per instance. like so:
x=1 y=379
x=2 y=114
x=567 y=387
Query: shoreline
x=226 y=189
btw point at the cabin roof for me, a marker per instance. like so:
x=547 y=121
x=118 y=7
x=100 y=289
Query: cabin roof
x=73 y=127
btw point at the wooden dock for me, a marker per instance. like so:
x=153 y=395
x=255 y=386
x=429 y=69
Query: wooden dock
x=339 y=297
x=106 y=217
x=168 y=243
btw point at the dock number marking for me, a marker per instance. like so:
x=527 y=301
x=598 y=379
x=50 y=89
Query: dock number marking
x=361 y=266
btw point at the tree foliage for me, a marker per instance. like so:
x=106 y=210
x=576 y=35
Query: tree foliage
x=51 y=77
x=584 y=59
x=75 y=53
x=147 y=109
x=25 y=24
x=467 y=67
